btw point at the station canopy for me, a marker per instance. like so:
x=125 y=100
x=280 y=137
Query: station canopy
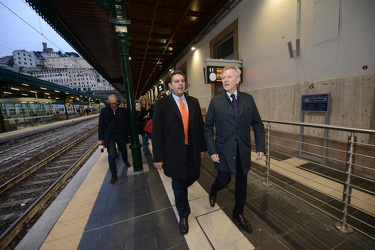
x=161 y=33
x=15 y=85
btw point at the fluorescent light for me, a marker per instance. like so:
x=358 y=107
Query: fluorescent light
x=9 y=93
x=46 y=93
x=32 y=91
x=43 y=88
x=24 y=84
x=24 y=94
x=57 y=91
x=14 y=88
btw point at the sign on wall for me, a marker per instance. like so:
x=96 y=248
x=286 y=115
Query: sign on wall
x=213 y=69
x=315 y=103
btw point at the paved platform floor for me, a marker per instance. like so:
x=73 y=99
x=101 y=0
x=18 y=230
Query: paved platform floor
x=138 y=212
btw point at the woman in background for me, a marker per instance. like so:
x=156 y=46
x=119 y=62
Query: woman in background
x=144 y=113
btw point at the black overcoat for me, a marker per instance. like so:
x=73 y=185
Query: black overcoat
x=107 y=120
x=168 y=139
x=220 y=114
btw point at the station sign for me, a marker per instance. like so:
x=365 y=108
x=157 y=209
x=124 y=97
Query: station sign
x=316 y=103
x=212 y=74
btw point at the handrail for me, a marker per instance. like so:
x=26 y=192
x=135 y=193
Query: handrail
x=316 y=125
x=340 y=173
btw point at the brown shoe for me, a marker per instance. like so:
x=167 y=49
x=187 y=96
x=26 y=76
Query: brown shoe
x=113 y=178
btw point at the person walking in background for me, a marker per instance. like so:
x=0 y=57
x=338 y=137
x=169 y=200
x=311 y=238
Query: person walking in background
x=232 y=113
x=114 y=129
x=144 y=113
x=178 y=142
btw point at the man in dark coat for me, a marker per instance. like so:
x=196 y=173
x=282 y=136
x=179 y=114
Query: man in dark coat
x=229 y=148
x=179 y=155
x=114 y=129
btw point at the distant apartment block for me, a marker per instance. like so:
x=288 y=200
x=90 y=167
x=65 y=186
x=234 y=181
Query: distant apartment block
x=23 y=58
x=59 y=68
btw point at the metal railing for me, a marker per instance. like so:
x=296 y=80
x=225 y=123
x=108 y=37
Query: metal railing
x=340 y=165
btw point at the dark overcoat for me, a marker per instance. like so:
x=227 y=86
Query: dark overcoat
x=221 y=116
x=107 y=121
x=168 y=139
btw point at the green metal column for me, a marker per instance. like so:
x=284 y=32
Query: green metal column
x=121 y=27
x=135 y=145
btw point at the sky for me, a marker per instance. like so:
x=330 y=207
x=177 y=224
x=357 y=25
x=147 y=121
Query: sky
x=22 y=28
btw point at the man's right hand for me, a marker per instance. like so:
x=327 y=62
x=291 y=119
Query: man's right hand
x=215 y=158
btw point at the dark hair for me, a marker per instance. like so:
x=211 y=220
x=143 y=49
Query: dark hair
x=162 y=95
x=176 y=72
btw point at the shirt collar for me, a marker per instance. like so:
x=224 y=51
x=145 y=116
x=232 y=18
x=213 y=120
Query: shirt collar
x=235 y=94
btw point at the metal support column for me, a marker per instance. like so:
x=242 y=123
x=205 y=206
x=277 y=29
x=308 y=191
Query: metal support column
x=342 y=225
x=121 y=28
x=135 y=145
x=268 y=163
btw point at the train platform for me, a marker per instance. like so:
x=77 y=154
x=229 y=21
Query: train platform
x=138 y=212
x=40 y=128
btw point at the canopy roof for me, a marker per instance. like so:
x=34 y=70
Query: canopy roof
x=162 y=31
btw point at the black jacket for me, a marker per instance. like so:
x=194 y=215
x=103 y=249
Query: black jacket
x=168 y=138
x=108 y=122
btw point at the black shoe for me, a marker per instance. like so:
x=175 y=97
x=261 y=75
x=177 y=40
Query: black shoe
x=113 y=178
x=184 y=226
x=212 y=199
x=127 y=164
x=243 y=222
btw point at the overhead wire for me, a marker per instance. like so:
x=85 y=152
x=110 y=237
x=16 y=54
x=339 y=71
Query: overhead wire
x=41 y=33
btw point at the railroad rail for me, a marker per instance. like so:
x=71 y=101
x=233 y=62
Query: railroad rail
x=27 y=187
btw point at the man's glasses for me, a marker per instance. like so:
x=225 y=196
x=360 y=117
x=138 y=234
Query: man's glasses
x=114 y=103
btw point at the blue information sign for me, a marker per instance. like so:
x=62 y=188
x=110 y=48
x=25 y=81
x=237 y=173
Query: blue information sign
x=317 y=103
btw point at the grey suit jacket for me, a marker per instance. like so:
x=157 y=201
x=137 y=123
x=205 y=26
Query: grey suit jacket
x=220 y=115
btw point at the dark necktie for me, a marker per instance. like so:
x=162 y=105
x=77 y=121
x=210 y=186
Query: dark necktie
x=234 y=104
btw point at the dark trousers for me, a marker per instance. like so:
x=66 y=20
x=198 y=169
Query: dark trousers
x=111 y=148
x=223 y=179
x=180 y=186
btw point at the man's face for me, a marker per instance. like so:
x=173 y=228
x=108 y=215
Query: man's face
x=177 y=85
x=230 y=80
x=112 y=102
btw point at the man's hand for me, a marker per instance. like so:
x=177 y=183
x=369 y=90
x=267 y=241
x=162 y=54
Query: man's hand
x=203 y=154
x=259 y=155
x=215 y=158
x=158 y=165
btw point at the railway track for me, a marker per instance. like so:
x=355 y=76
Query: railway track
x=26 y=187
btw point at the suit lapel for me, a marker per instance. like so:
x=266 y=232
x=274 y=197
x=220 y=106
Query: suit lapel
x=173 y=105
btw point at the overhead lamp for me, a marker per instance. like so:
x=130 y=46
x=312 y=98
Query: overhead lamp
x=67 y=93
x=46 y=93
x=32 y=91
x=193 y=48
x=9 y=93
x=24 y=94
x=57 y=91
x=24 y=84
x=14 y=88
x=43 y=88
